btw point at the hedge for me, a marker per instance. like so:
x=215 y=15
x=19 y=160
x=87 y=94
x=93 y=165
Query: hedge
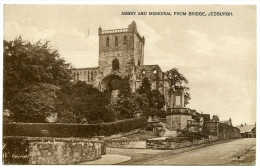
x=72 y=130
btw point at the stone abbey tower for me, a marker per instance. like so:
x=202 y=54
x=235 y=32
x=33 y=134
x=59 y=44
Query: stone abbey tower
x=121 y=56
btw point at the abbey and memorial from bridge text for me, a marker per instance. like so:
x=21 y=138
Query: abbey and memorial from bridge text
x=179 y=13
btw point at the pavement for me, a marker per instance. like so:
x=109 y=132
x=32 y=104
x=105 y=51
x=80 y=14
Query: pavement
x=108 y=159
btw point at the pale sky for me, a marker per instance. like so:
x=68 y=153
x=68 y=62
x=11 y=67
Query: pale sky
x=216 y=54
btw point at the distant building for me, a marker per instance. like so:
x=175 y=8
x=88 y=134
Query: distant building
x=247 y=131
x=228 y=122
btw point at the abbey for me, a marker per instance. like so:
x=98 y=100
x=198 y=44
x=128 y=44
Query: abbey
x=121 y=56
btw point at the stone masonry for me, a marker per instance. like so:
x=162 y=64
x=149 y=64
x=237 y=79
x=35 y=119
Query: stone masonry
x=121 y=56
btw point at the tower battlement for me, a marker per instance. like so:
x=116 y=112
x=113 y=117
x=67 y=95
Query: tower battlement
x=132 y=28
x=114 y=31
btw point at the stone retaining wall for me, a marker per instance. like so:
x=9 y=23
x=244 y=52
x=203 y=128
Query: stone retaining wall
x=177 y=143
x=60 y=151
x=118 y=143
x=63 y=152
x=221 y=130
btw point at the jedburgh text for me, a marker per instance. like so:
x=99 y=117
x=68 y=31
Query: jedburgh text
x=220 y=14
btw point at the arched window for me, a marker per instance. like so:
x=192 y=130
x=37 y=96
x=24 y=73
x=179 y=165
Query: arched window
x=155 y=74
x=125 y=39
x=107 y=42
x=138 y=63
x=116 y=41
x=115 y=64
x=143 y=74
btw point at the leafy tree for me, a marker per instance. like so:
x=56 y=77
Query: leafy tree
x=178 y=83
x=125 y=89
x=84 y=101
x=26 y=63
x=126 y=106
x=141 y=100
x=155 y=99
x=145 y=86
x=33 y=103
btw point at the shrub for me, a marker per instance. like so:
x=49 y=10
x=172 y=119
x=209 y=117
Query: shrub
x=72 y=130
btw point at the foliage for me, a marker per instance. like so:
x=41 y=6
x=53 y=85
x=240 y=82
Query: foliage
x=72 y=130
x=126 y=106
x=84 y=101
x=140 y=103
x=140 y=100
x=67 y=116
x=155 y=99
x=145 y=86
x=178 y=83
x=125 y=90
x=26 y=63
x=154 y=112
x=161 y=113
x=33 y=103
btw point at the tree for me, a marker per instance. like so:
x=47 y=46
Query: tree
x=125 y=89
x=84 y=101
x=145 y=86
x=155 y=99
x=141 y=100
x=126 y=106
x=26 y=63
x=34 y=103
x=178 y=83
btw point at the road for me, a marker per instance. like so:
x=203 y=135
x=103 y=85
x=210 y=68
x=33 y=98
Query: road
x=235 y=152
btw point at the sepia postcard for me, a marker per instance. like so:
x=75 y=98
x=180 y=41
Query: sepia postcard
x=154 y=84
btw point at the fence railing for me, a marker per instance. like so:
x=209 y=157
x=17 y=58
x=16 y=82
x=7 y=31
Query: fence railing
x=177 y=110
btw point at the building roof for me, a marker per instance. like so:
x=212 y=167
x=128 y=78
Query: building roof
x=246 y=128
